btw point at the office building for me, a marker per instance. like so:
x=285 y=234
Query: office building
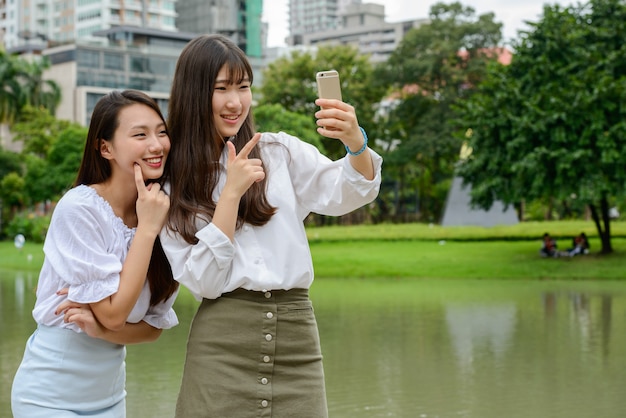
x=95 y=46
x=364 y=27
x=125 y=57
x=239 y=20
x=57 y=22
x=307 y=16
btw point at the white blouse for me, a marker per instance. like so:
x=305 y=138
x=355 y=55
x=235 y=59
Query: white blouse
x=275 y=256
x=85 y=248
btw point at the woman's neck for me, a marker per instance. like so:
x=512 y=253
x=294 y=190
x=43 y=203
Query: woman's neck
x=122 y=199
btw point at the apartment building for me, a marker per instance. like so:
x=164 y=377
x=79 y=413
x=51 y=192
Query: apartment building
x=312 y=16
x=364 y=27
x=239 y=20
x=56 y=22
x=95 y=46
x=124 y=57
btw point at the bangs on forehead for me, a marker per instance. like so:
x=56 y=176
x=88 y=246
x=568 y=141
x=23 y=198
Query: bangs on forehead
x=238 y=71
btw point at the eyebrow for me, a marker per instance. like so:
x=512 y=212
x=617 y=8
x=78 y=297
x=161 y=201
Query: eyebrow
x=227 y=81
x=161 y=124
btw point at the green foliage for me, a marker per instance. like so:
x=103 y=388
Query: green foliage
x=9 y=162
x=11 y=94
x=12 y=190
x=53 y=151
x=39 y=92
x=37 y=179
x=274 y=118
x=435 y=66
x=37 y=129
x=290 y=83
x=23 y=84
x=65 y=156
x=34 y=227
x=553 y=123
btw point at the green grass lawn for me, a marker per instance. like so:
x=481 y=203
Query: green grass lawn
x=562 y=230
x=423 y=251
x=461 y=259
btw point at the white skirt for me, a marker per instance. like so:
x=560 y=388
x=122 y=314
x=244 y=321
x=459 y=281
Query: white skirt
x=68 y=374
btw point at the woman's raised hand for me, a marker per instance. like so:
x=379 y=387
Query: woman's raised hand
x=338 y=120
x=152 y=204
x=242 y=171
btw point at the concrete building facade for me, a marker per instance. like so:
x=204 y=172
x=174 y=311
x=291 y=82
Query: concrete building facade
x=239 y=20
x=126 y=57
x=306 y=16
x=364 y=27
x=59 y=22
x=96 y=46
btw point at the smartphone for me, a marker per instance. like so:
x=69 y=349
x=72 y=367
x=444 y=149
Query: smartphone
x=328 y=85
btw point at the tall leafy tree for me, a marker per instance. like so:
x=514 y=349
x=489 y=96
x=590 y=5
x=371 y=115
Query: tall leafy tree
x=275 y=118
x=23 y=84
x=49 y=177
x=9 y=162
x=37 y=128
x=38 y=91
x=11 y=93
x=435 y=66
x=553 y=123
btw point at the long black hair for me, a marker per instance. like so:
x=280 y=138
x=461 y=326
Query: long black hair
x=96 y=169
x=197 y=144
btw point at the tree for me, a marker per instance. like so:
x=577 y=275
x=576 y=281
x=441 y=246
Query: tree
x=553 y=123
x=11 y=94
x=290 y=83
x=434 y=66
x=12 y=191
x=274 y=118
x=64 y=158
x=37 y=128
x=38 y=91
x=48 y=178
x=23 y=84
x=9 y=162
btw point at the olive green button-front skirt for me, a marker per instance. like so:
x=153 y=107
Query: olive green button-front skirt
x=254 y=354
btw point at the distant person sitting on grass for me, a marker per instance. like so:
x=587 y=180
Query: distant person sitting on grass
x=580 y=245
x=548 y=247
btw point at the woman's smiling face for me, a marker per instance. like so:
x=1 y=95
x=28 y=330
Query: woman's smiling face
x=231 y=103
x=141 y=137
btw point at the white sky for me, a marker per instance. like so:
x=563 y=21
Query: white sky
x=512 y=13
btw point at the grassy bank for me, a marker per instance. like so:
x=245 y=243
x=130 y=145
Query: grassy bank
x=423 y=251
x=562 y=230
x=461 y=259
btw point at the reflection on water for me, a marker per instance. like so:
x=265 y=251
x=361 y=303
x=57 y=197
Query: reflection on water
x=413 y=348
x=476 y=329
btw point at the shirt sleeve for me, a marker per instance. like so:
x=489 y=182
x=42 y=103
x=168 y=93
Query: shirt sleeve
x=324 y=186
x=77 y=250
x=162 y=315
x=204 y=267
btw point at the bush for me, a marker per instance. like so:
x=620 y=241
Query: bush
x=34 y=227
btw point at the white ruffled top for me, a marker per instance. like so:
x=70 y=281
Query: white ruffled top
x=85 y=248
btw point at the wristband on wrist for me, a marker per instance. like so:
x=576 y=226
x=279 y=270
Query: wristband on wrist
x=362 y=148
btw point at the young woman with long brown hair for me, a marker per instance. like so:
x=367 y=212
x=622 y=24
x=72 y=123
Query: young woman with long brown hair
x=236 y=238
x=105 y=281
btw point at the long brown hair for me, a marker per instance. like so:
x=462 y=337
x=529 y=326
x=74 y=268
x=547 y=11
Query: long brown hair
x=193 y=170
x=96 y=169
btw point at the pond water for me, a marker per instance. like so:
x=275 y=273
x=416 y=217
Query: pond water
x=412 y=348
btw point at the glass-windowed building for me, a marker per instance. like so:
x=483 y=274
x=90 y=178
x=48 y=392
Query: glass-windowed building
x=130 y=57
